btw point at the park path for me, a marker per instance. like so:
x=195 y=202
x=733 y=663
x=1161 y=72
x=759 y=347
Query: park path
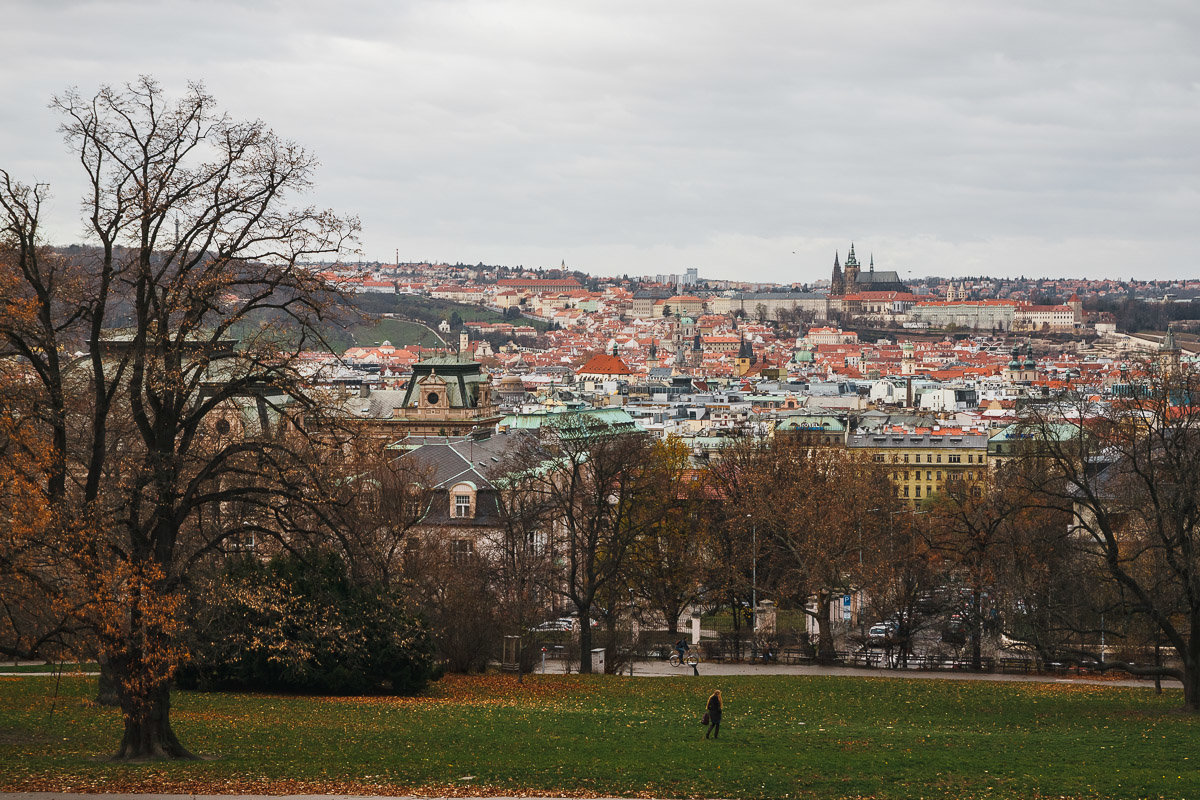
x=662 y=669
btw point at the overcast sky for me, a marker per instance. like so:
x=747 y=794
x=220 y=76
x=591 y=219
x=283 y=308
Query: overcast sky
x=746 y=139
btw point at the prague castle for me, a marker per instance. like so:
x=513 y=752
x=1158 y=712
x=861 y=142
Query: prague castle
x=852 y=280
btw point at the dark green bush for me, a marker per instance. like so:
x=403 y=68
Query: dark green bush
x=299 y=623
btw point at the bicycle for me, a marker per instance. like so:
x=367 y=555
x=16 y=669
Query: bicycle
x=689 y=659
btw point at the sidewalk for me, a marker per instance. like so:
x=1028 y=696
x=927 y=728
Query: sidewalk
x=658 y=668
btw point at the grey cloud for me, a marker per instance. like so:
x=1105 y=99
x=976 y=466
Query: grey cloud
x=702 y=131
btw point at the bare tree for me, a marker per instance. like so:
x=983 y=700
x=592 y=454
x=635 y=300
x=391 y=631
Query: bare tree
x=666 y=562
x=595 y=479
x=813 y=511
x=520 y=555
x=167 y=423
x=1130 y=473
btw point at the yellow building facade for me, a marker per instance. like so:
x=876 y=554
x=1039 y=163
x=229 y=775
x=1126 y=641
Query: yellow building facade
x=923 y=462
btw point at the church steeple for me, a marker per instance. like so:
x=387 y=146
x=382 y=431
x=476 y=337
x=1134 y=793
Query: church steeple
x=850 y=273
x=837 y=284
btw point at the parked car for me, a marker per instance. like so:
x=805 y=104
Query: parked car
x=555 y=626
x=881 y=633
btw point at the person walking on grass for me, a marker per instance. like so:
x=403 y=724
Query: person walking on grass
x=713 y=712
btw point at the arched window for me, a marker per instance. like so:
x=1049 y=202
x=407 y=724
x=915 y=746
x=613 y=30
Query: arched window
x=462 y=500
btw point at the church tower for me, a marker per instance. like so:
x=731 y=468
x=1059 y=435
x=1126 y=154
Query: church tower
x=1168 y=353
x=850 y=272
x=745 y=357
x=837 y=285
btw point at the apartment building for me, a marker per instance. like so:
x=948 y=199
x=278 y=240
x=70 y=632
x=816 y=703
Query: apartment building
x=923 y=461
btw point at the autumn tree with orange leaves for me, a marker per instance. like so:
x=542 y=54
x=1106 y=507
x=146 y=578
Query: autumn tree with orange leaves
x=167 y=422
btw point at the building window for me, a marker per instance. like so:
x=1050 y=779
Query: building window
x=905 y=474
x=929 y=475
x=918 y=491
x=939 y=458
x=906 y=491
x=412 y=509
x=970 y=459
x=412 y=549
x=906 y=458
x=939 y=474
x=879 y=459
x=917 y=458
x=462 y=505
x=954 y=459
x=461 y=550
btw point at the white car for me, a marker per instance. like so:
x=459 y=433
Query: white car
x=881 y=632
x=555 y=626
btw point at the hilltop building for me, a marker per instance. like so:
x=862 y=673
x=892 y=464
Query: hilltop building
x=850 y=279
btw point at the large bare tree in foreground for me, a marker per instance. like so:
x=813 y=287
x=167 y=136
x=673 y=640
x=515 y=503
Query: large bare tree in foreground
x=1130 y=474
x=170 y=436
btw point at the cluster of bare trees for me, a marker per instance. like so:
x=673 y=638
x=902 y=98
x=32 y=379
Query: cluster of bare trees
x=1080 y=546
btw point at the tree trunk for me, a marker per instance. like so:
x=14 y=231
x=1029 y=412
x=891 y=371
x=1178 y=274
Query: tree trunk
x=672 y=620
x=825 y=652
x=1191 y=688
x=976 y=631
x=610 y=644
x=585 y=644
x=148 y=735
x=106 y=685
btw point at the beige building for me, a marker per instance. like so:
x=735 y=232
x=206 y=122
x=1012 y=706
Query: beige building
x=446 y=396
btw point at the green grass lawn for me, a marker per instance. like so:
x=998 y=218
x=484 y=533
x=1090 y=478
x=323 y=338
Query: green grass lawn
x=399 y=332
x=784 y=736
x=66 y=668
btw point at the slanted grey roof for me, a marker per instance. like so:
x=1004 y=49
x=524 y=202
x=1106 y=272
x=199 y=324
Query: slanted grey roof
x=463 y=458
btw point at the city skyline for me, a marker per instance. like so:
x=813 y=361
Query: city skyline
x=748 y=143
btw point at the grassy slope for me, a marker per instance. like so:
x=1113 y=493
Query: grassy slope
x=399 y=332
x=784 y=736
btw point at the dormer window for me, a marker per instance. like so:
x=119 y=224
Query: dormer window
x=462 y=500
x=462 y=505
